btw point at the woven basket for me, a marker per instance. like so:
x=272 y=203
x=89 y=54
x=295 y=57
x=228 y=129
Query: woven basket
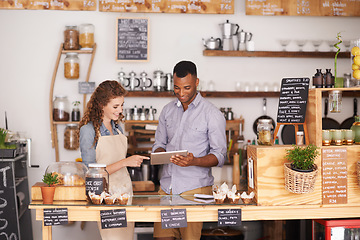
x=299 y=182
x=358 y=172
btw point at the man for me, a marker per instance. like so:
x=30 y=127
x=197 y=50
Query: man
x=194 y=124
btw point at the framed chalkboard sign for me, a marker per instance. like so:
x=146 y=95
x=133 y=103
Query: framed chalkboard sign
x=132 y=39
x=293 y=99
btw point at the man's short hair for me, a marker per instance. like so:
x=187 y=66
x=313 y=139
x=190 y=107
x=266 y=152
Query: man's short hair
x=183 y=68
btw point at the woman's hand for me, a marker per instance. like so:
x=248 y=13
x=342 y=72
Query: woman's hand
x=134 y=160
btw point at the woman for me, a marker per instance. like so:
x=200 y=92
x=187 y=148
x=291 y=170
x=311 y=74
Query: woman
x=102 y=141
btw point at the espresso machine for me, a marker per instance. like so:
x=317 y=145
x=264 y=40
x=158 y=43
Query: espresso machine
x=228 y=30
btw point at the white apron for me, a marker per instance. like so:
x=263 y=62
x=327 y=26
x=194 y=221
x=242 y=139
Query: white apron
x=109 y=150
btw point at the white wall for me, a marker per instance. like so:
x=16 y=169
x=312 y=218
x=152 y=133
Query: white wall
x=30 y=40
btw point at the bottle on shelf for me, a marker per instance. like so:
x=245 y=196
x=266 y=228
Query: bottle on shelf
x=71 y=38
x=72 y=66
x=86 y=38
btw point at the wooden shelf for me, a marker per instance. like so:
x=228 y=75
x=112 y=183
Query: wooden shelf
x=214 y=53
x=227 y=94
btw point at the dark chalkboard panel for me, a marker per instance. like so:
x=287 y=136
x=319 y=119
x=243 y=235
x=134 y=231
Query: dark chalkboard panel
x=114 y=218
x=9 y=223
x=229 y=217
x=173 y=218
x=55 y=216
x=132 y=41
x=293 y=99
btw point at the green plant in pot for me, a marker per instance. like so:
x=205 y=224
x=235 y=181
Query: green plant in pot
x=302 y=158
x=3 y=144
x=48 y=191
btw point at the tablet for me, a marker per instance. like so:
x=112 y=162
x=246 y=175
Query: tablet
x=164 y=157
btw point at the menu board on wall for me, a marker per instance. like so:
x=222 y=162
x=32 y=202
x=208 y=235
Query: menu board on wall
x=132 y=39
x=345 y=8
x=293 y=98
x=86 y=5
x=168 y=6
x=334 y=176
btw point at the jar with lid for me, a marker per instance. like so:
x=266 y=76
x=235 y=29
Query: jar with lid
x=71 y=138
x=96 y=179
x=71 y=38
x=71 y=66
x=61 y=108
x=86 y=37
x=264 y=131
x=335 y=101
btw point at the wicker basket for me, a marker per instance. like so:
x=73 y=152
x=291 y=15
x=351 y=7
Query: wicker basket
x=299 y=182
x=358 y=172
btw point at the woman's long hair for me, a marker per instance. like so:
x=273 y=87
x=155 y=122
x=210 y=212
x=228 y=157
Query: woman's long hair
x=102 y=95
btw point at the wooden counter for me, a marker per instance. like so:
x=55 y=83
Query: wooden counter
x=81 y=211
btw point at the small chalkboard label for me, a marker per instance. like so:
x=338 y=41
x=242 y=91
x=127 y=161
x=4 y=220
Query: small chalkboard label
x=115 y=218
x=86 y=87
x=95 y=185
x=334 y=176
x=293 y=99
x=132 y=39
x=55 y=216
x=229 y=217
x=173 y=218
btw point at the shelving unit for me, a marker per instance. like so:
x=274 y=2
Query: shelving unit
x=53 y=124
x=220 y=94
x=285 y=54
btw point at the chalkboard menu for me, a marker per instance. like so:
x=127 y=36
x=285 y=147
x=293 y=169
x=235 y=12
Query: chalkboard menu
x=293 y=98
x=334 y=175
x=168 y=6
x=229 y=217
x=344 y=8
x=173 y=218
x=88 y=5
x=55 y=216
x=8 y=211
x=132 y=39
x=115 y=218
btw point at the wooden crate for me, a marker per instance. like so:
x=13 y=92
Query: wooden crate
x=269 y=183
x=61 y=192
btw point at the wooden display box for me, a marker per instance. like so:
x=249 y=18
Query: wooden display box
x=61 y=192
x=269 y=180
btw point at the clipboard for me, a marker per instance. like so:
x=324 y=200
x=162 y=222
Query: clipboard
x=159 y=158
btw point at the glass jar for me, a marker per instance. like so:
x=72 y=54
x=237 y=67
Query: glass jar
x=71 y=66
x=69 y=173
x=86 y=38
x=326 y=137
x=335 y=100
x=75 y=114
x=96 y=180
x=71 y=138
x=355 y=60
x=264 y=131
x=356 y=129
x=71 y=38
x=61 y=110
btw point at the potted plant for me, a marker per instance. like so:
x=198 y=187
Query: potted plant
x=301 y=170
x=6 y=150
x=302 y=158
x=48 y=191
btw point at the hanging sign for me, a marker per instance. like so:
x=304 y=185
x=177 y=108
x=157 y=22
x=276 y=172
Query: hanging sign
x=132 y=39
x=115 y=218
x=55 y=216
x=173 y=218
x=229 y=217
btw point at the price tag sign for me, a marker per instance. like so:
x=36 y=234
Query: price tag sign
x=334 y=176
x=86 y=87
x=55 y=216
x=115 y=218
x=229 y=217
x=173 y=218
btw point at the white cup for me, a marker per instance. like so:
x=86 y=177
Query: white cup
x=250 y=46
